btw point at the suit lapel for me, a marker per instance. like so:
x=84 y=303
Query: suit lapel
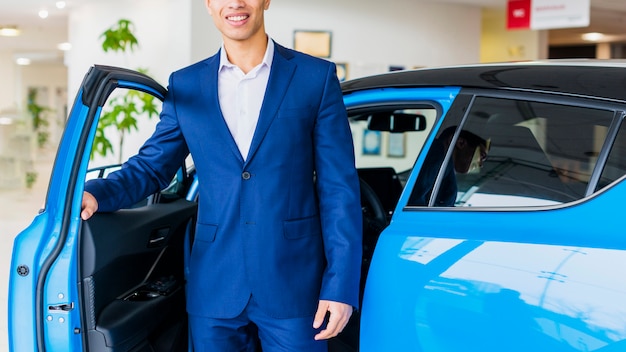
x=280 y=77
x=211 y=101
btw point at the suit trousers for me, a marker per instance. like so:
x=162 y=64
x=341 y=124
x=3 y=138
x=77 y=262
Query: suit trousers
x=252 y=328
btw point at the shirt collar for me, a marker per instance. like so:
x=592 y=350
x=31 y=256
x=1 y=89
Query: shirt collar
x=267 y=59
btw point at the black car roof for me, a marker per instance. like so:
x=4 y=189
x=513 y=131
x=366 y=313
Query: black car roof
x=593 y=78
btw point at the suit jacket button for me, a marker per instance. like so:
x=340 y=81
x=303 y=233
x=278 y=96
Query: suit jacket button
x=245 y=175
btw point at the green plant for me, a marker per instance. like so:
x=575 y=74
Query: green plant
x=31 y=178
x=122 y=110
x=122 y=113
x=119 y=37
x=38 y=114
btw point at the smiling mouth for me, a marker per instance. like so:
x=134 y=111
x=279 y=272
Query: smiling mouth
x=238 y=18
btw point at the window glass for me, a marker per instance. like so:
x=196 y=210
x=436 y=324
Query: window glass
x=615 y=166
x=387 y=142
x=128 y=119
x=513 y=153
x=392 y=137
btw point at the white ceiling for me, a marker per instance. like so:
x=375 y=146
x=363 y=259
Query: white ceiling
x=40 y=36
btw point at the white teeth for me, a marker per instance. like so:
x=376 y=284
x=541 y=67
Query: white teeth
x=237 y=18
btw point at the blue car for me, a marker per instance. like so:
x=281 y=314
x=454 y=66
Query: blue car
x=490 y=197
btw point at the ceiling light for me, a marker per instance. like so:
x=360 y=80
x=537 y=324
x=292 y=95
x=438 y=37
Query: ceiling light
x=64 y=46
x=9 y=31
x=22 y=61
x=60 y=5
x=593 y=36
x=43 y=13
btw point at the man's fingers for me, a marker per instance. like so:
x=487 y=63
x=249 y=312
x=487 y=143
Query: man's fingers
x=85 y=214
x=339 y=315
x=333 y=328
x=320 y=315
x=89 y=206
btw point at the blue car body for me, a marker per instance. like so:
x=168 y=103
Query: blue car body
x=507 y=277
x=521 y=250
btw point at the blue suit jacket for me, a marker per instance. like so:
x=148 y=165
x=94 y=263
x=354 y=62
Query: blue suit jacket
x=285 y=224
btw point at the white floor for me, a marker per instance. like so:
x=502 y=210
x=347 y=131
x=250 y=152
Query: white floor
x=18 y=207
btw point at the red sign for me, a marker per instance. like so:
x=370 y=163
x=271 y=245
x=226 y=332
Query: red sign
x=547 y=14
x=518 y=14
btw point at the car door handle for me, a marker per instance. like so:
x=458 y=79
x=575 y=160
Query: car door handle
x=158 y=237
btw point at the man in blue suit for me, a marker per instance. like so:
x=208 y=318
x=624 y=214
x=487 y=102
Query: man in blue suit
x=278 y=237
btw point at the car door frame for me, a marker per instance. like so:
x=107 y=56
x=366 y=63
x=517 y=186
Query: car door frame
x=44 y=310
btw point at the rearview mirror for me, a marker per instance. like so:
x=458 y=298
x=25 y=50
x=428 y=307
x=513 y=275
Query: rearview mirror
x=396 y=122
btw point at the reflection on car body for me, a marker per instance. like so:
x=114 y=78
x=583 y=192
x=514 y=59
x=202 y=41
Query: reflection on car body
x=501 y=298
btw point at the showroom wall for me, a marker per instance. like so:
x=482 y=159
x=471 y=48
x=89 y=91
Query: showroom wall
x=50 y=79
x=161 y=27
x=13 y=82
x=8 y=89
x=499 y=45
x=366 y=36
x=404 y=33
x=371 y=36
x=163 y=30
x=19 y=143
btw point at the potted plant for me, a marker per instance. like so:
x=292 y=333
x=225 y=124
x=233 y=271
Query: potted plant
x=39 y=119
x=122 y=111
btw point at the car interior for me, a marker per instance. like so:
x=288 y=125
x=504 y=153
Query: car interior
x=540 y=153
x=381 y=187
x=132 y=273
x=132 y=278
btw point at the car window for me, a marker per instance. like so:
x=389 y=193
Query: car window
x=101 y=171
x=615 y=167
x=512 y=153
x=397 y=143
x=387 y=140
x=128 y=119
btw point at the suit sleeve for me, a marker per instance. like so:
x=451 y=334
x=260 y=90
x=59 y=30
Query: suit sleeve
x=339 y=196
x=150 y=170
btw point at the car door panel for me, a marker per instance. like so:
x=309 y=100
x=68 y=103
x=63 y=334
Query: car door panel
x=76 y=285
x=495 y=287
x=132 y=274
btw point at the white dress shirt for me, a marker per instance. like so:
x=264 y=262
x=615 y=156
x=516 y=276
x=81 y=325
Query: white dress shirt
x=241 y=96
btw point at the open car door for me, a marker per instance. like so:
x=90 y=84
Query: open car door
x=115 y=282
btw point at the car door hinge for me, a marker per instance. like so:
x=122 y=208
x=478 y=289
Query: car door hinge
x=66 y=307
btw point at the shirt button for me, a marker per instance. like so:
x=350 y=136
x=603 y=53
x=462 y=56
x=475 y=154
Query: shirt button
x=246 y=175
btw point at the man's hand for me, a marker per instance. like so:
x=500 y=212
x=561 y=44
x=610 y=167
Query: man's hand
x=339 y=315
x=89 y=206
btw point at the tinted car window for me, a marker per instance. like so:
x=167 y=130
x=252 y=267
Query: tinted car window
x=514 y=153
x=615 y=166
